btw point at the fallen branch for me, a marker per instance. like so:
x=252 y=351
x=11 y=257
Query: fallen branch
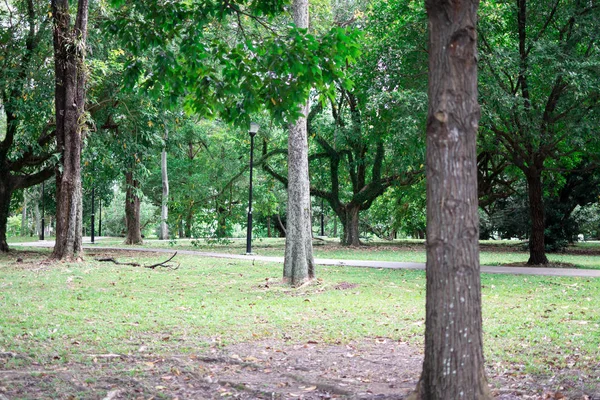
x=164 y=264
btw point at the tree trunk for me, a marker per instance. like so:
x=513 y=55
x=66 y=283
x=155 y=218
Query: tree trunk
x=164 y=215
x=351 y=227
x=188 y=222
x=453 y=367
x=299 y=265
x=36 y=210
x=69 y=57
x=5 y=196
x=221 y=230
x=24 y=214
x=180 y=228
x=132 y=210
x=537 y=246
x=335 y=222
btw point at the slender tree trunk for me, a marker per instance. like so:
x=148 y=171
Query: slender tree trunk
x=180 y=228
x=537 y=246
x=453 y=367
x=69 y=58
x=24 y=214
x=36 y=210
x=351 y=226
x=164 y=215
x=335 y=222
x=132 y=211
x=188 y=222
x=299 y=266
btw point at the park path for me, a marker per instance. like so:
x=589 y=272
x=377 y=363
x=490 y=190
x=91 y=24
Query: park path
x=584 y=273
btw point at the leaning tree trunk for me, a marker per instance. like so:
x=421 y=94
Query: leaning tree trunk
x=537 y=246
x=350 y=220
x=164 y=214
x=132 y=210
x=69 y=57
x=299 y=265
x=453 y=367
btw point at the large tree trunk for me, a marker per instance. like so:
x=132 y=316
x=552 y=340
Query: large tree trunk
x=453 y=367
x=69 y=57
x=299 y=265
x=164 y=214
x=5 y=196
x=351 y=228
x=132 y=210
x=537 y=246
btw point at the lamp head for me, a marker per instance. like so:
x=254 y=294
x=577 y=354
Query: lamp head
x=253 y=128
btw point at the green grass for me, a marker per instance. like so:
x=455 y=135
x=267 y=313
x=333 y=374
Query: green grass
x=25 y=239
x=68 y=311
x=493 y=252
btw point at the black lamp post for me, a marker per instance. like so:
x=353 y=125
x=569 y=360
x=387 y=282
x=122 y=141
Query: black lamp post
x=253 y=130
x=43 y=214
x=93 y=217
x=100 y=219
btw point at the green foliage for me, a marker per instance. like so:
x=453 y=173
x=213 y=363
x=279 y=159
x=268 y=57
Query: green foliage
x=13 y=226
x=228 y=61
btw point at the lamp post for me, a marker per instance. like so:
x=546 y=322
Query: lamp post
x=93 y=192
x=100 y=218
x=43 y=214
x=253 y=130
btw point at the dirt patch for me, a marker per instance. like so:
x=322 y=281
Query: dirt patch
x=371 y=369
x=345 y=286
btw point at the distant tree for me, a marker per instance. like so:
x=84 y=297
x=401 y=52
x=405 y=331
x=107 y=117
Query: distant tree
x=453 y=367
x=26 y=126
x=540 y=92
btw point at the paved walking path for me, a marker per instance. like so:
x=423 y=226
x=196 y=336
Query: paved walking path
x=589 y=273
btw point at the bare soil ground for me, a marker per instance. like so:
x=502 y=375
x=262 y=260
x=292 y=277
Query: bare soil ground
x=372 y=369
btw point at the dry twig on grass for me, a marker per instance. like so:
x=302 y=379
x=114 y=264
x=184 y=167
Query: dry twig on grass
x=164 y=264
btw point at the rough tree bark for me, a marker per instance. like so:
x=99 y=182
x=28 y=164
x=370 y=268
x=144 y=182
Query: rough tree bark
x=453 y=367
x=299 y=265
x=132 y=210
x=69 y=57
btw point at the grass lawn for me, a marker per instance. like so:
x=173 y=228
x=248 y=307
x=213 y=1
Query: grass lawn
x=492 y=252
x=68 y=311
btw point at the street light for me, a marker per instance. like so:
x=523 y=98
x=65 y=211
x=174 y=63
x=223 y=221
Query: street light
x=43 y=214
x=253 y=130
x=93 y=216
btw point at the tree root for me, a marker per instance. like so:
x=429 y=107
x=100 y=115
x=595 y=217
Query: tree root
x=164 y=264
